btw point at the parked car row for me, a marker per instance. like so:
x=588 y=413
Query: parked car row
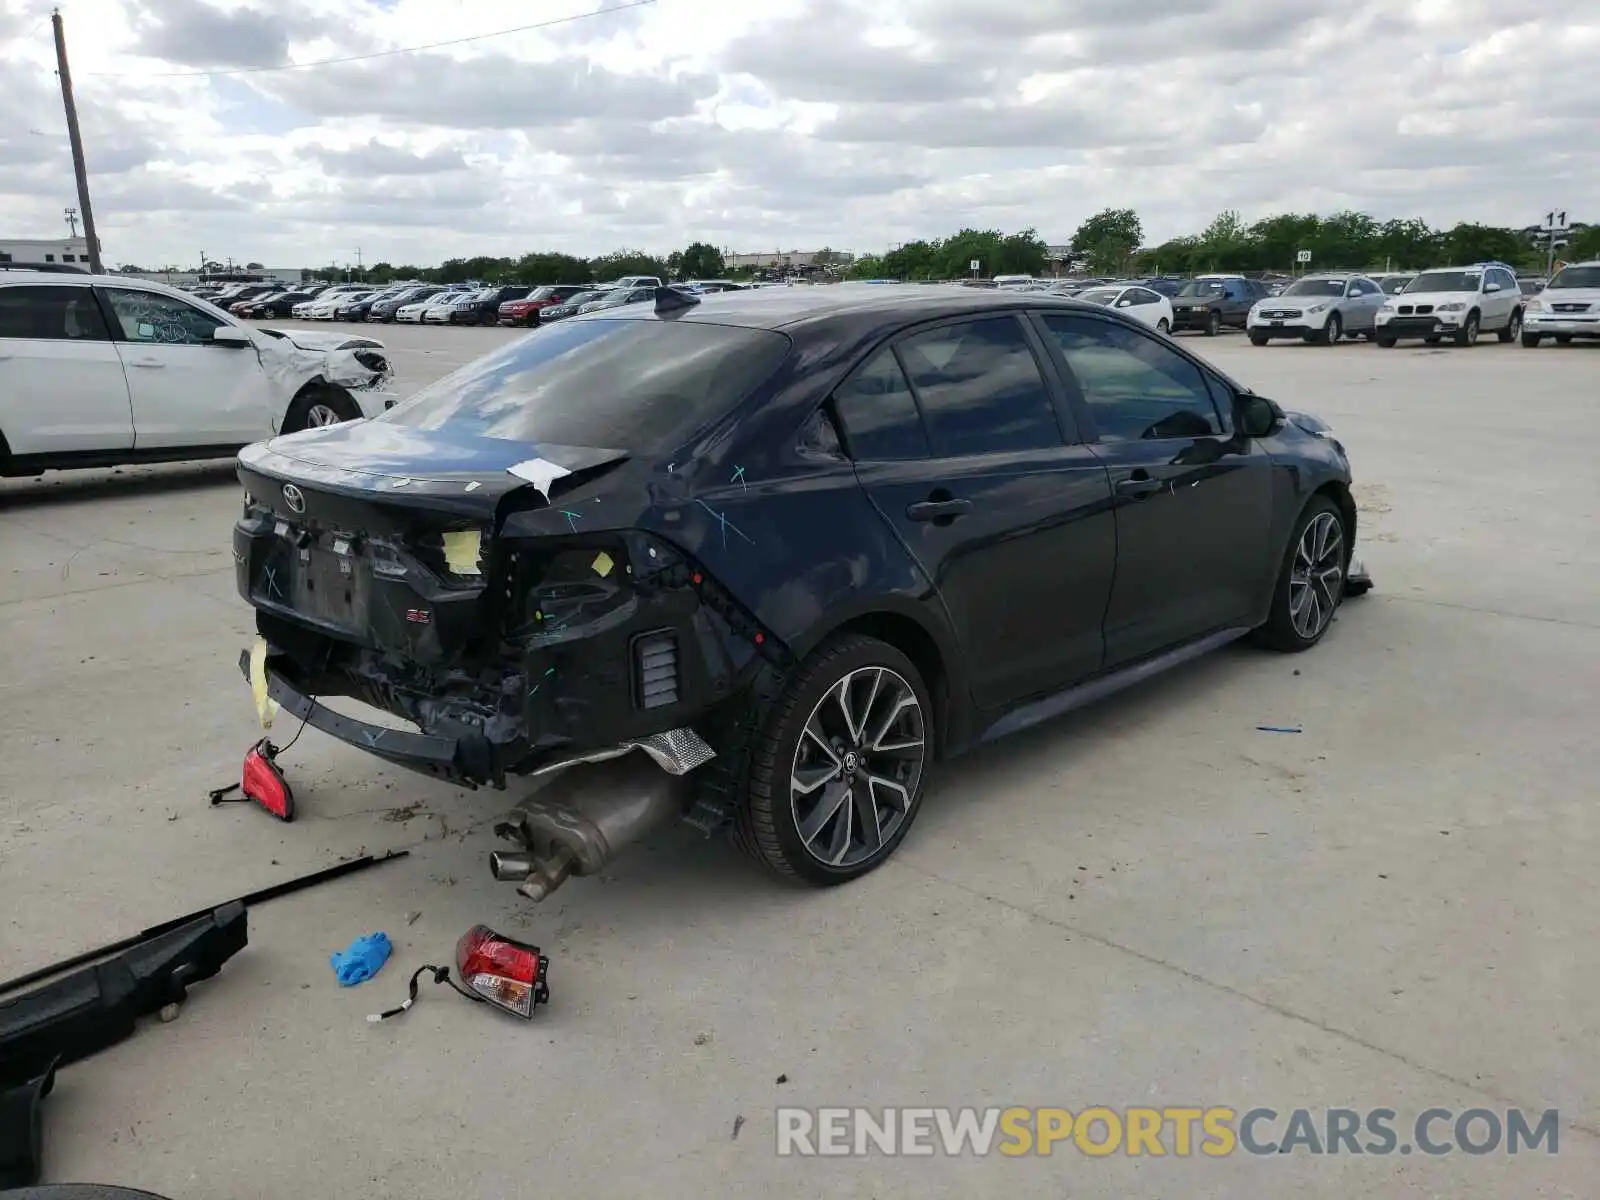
x=1455 y=304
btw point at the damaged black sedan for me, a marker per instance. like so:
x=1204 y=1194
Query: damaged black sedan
x=759 y=560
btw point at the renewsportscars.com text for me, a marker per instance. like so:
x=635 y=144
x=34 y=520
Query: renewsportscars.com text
x=1213 y=1132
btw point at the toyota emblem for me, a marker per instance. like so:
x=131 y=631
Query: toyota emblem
x=294 y=498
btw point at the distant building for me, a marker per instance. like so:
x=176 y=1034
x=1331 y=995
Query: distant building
x=45 y=250
x=782 y=258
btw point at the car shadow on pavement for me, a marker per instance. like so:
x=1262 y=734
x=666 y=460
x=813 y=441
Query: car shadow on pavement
x=75 y=487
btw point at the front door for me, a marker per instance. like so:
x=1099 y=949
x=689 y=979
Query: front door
x=1193 y=501
x=958 y=440
x=187 y=390
x=62 y=390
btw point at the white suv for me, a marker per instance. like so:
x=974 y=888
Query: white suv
x=1458 y=303
x=99 y=371
x=1568 y=307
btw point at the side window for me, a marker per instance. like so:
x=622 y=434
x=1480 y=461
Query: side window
x=1135 y=387
x=878 y=413
x=149 y=317
x=980 y=388
x=51 y=314
x=1140 y=296
x=1506 y=280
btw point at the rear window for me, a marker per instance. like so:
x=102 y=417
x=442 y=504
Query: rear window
x=625 y=385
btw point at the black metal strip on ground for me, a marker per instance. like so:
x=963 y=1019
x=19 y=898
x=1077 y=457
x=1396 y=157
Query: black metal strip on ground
x=259 y=897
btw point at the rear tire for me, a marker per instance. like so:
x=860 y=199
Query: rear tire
x=807 y=813
x=1513 y=328
x=1310 y=580
x=318 y=406
x=1163 y=326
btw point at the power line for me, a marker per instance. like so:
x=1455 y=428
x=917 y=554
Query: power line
x=353 y=58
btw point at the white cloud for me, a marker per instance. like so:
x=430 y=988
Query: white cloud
x=855 y=123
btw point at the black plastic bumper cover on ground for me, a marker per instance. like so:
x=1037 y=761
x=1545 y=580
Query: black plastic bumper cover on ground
x=82 y=1013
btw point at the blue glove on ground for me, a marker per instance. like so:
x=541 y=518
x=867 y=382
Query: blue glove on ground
x=363 y=960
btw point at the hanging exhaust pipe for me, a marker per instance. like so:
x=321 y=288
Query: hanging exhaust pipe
x=582 y=818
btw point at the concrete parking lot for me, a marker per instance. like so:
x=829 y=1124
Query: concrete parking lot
x=1148 y=903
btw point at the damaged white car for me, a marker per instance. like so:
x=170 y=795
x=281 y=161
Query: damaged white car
x=100 y=371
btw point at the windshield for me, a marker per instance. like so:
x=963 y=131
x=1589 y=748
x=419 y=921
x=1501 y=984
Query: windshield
x=583 y=298
x=1202 y=287
x=1445 y=281
x=620 y=385
x=541 y=293
x=1315 y=287
x=1099 y=295
x=1394 y=286
x=1575 y=277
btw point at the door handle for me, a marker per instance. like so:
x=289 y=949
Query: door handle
x=1138 y=488
x=933 y=510
x=147 y=362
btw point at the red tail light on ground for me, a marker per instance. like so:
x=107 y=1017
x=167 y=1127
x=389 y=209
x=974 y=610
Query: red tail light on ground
x=264 y=783
x=507 y=974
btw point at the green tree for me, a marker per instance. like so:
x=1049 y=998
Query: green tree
x=1225 y=243
x=1175 y=257
x=1023 y=253
x=913 y=260
x=698 y=261
x=551 y=267
x=1584 y=244
x=1109 y=238
x=868 y=266
x=626 y=262
x=1404 y=243
x=1277 y=239
x=1470 y=243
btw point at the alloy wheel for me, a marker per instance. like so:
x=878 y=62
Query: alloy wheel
x=1316 y=579
x=319 y=415
x=857 y=766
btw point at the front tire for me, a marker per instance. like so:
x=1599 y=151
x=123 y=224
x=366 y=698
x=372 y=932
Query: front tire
x=1563 y=339
x=837 y=770
x=1257 y=338
x=1333 y=330
x=1163 y=326
x=1310 y=581
x=1467 y=335
x=1531 y=340
x=1385 y=342
x=316 y=407
x=1213 y=323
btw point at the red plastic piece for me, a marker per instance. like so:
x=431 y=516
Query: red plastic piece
x=264 y=783
x=508 y=974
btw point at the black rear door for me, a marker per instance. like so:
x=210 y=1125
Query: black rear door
x=1193 y=501
x=962 y=442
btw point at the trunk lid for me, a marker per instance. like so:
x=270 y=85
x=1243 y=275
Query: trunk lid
x=381 y=534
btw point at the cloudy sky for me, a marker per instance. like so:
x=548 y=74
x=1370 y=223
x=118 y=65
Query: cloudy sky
x=759 y=124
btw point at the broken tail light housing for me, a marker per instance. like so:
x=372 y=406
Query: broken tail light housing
x=263 y=782
x=507 y=974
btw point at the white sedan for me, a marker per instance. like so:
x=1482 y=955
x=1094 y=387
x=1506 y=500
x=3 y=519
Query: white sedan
x=323 y=307
x=411 y=314
x=139 y=372
x=440 y=307
x=1140 y=303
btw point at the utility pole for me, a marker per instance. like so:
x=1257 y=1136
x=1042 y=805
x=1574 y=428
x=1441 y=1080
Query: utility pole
x=76 y=138
x=72 y=221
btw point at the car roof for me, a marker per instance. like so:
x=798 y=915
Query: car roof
x=795 y=309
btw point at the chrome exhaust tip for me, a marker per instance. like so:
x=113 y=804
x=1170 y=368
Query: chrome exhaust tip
x=510 y=866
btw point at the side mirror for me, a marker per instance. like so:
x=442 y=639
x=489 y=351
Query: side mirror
x=1124 y=303
x=1257 y=416
x=1491 y=287
x=231 y=337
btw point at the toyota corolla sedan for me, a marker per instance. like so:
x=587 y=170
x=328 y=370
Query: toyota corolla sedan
x=762 y=562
